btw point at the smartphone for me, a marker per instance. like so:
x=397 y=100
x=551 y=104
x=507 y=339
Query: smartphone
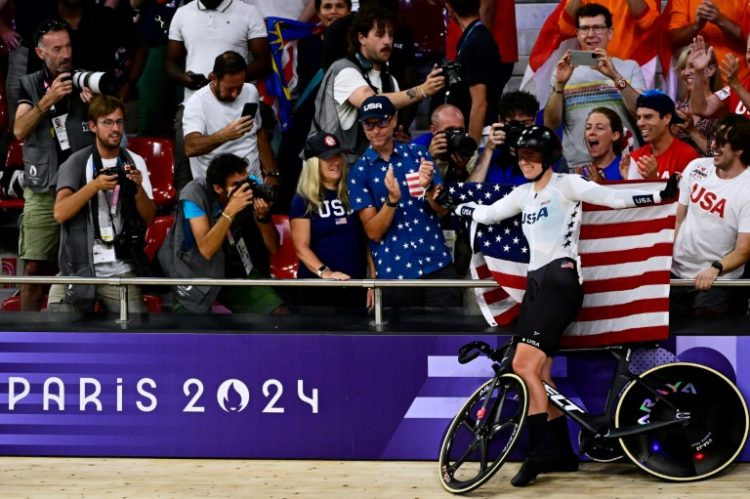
x=583 y=58
x=249 y=109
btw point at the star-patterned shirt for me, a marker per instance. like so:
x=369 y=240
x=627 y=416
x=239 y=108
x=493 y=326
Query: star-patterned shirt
x=414 y=245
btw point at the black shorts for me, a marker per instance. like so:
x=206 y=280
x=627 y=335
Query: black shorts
x=552 y=300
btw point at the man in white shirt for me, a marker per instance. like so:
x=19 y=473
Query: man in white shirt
x=713 y=221
x=214 y=124
x=577 y=90
x=348 y=82
x=199 y=32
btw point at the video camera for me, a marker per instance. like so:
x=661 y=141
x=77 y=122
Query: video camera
x=266 y=192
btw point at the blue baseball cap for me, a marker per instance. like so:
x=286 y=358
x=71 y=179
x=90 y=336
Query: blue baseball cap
x=376 y=107
x=660 y=102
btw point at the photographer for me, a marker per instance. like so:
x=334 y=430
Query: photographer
x=479 y=68
x=104 y=203
x=223 y=229
x=498 y=163
x=450 y=146
x=49 y=121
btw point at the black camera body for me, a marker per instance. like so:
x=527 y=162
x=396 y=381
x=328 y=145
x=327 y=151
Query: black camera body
x=120 y=170
x=513 y=130
x=460 y=142
x=266 y=192
x=452 y=73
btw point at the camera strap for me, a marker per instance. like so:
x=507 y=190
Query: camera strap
x=109 y=232
x=365 y=66
x=465 y=38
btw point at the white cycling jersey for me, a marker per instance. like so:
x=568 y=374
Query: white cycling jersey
x=551 y=218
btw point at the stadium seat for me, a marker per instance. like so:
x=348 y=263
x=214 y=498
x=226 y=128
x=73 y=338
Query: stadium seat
x=155 y=234
x=13 y=162
x=284 y=263
x=153 y=304
x=158 y=154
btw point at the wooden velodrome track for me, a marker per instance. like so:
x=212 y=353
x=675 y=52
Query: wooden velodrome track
x=37 y=477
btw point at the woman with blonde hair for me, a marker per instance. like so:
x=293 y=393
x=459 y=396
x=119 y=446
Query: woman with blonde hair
x=696 y=131
x=328 y=238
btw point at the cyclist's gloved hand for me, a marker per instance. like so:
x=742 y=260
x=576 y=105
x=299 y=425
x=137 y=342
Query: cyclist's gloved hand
x=466 y=209
x=670 y=190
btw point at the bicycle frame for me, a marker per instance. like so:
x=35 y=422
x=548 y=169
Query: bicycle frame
x=601 y=424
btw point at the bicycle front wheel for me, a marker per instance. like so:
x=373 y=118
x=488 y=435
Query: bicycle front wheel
x=483 y=433
x=707 y=443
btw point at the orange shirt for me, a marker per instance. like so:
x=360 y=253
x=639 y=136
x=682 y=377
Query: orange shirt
x=682 y=13
x=630 y=34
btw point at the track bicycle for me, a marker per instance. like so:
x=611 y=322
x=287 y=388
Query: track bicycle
x=678 y=421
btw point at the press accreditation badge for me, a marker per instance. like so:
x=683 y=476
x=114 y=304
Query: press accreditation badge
x=241 y=247
x=104 y=253
x=61 y=132
x=107 y=234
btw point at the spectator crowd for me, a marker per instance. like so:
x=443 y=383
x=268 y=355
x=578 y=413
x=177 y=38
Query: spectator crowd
x=85 y=79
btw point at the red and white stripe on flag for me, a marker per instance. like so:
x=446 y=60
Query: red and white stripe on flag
x=626 y=257
x=415 y=189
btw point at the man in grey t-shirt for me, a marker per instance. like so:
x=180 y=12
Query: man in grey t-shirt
x=576 y=90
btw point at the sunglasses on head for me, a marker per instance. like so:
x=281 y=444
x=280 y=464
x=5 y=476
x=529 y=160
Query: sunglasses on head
x=47 y=27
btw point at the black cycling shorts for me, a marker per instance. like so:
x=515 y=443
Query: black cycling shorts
x=552 y=300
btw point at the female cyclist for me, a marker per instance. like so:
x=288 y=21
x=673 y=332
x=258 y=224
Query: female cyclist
x=550 y=205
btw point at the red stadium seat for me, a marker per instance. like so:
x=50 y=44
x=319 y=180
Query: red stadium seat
x=155 y=234
x=13 y=161
x=159 y=157
x=284 y=263
x=153 y=304
x=11 y=304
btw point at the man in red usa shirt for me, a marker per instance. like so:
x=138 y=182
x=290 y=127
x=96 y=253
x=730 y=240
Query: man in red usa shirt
x=713 y=221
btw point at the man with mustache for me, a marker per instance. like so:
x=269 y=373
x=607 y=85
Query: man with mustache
x=50 y=120
x=349 y=81
x=104 y=203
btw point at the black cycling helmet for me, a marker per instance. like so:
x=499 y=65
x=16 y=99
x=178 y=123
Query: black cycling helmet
x=544 y=141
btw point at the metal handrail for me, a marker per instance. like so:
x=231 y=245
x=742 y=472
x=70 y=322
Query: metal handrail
x=376 y=284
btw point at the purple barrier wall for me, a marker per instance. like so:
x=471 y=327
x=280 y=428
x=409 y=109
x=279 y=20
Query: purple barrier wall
x=266 y=395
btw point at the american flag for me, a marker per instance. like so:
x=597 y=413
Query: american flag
x=625 y=257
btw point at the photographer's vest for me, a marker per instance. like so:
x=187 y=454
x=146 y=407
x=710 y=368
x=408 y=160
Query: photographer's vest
x=179 y=259
x=40 y=147
x=77 y=237
x=326 y=118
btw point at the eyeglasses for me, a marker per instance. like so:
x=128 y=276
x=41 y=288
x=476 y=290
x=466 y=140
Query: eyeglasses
x=111 y=123
x=48 y=26
x=370 y=125
x=598 y=29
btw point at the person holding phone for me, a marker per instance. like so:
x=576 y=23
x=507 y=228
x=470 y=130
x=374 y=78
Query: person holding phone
x=603 y=81
x=223 y=117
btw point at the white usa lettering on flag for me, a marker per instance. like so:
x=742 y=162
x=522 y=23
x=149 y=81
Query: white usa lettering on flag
x=625 y=256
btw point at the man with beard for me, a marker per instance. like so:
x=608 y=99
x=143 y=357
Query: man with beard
x=50 y=118
x=713 y=221
x=214 y=124
x=348 y=82
x=104 y=203
x=199 y=31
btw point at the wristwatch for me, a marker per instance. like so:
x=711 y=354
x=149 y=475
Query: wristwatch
x=621 y=84
x=321 y=270
x=718 y=266
x=272 y=173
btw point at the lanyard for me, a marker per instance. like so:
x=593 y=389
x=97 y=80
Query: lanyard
x=466 y=38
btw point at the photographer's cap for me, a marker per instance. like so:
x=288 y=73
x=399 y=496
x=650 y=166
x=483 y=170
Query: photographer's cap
x=660 y=102
x=323 y=145
x=377 y=107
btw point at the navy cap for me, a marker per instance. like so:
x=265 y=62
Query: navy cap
x=376 y=107
x=323 y=145
x=661 y=102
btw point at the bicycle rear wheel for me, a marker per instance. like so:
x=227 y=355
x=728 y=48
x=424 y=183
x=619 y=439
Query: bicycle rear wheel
x=706 y=444
x=478 y=441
